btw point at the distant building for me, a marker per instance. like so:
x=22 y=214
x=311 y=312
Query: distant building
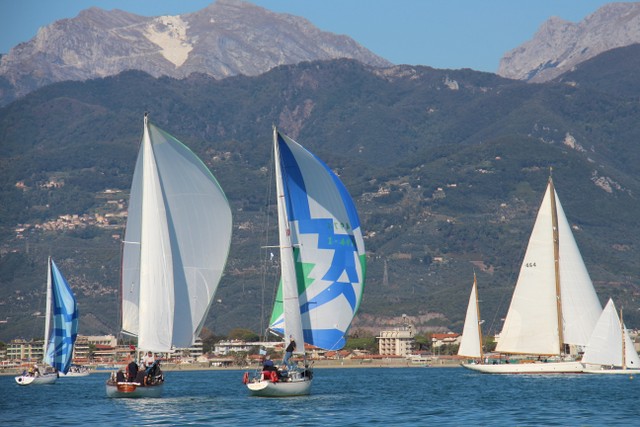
x=20 y=349
x=397 y=342
x=225 y=347
x=438 y=340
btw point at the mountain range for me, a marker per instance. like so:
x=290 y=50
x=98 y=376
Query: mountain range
x=447 y=168
x=559 y=45
x=227 y=38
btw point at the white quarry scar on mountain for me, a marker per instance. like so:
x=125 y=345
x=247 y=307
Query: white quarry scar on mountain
x=170 y=34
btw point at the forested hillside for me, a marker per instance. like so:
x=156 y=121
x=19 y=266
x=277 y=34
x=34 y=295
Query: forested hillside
x=447 y=168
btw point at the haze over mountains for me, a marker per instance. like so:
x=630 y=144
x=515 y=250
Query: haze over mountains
x=447 y=168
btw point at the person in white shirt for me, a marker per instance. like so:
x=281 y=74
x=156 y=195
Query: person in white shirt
x=148 y=360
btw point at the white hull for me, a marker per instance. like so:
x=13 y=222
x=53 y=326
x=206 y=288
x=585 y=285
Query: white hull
x=74 y=374
x=528 y=368
x=266 y=388
x=133 y=390
x=610 y=371
x=41 y=379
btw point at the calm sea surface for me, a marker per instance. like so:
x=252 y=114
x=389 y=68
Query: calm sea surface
x=340 y=397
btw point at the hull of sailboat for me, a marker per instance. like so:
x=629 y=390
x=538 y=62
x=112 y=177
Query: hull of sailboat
x=133 y=390
x=603 y=370
x=266 y=388
x=528 y=368
x=42 y=379
x=74 y=374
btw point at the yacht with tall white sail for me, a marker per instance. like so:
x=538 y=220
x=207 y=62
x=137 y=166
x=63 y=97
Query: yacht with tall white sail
x=176 y=245
x=471 y=341
x=554 y=307
x=59 y=337
x=610 y=349
x=322 y=261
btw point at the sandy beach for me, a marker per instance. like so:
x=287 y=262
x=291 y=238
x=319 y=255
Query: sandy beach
x=319 y=364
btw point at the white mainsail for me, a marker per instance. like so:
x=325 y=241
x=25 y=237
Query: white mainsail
x=471 y=342
x=176 y=244
x=536 y=322
x=610 y=344
x=291 y=302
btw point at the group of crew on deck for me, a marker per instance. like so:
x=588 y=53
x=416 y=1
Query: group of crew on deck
x=34 y=371
x=145 y=374
x=282 y=373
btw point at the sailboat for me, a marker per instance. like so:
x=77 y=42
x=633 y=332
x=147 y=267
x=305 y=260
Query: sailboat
x=322 y=261
x=610 y=349
x=176 y=245
x=60 y=337
x=554 y=307
x=471 y=342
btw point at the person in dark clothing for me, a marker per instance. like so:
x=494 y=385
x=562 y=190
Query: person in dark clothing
x=132 y=371
x=141 y=377
x=268 y=364
x=289 y=351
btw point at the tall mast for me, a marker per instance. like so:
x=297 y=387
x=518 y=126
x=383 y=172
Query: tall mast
x=475 y=285
x=290 y=302
x=47 y=320
x=624 y=343
x=556 y=260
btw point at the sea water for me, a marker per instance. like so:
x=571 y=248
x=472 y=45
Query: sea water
x=339 y=397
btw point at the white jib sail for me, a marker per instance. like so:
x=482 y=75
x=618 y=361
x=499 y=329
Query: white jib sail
x=580 y=304
x=605 y=344
x=471 y=345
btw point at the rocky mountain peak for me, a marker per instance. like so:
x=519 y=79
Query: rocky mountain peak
x=228 y=37
x=559 y=45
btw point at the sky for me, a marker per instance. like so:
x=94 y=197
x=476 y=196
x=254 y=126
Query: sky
x=439 y=33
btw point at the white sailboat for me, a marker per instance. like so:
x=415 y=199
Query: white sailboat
x=471 y=342
x=323 y=263
x=554 y=306
x=60 y=337
x=175 y=249
x=610 y=349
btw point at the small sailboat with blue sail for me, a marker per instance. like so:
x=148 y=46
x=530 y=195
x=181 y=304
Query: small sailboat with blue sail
x=322 y=261
x=176 y=245
x=61 y=330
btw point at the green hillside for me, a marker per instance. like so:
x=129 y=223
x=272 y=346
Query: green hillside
x=447 y=168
